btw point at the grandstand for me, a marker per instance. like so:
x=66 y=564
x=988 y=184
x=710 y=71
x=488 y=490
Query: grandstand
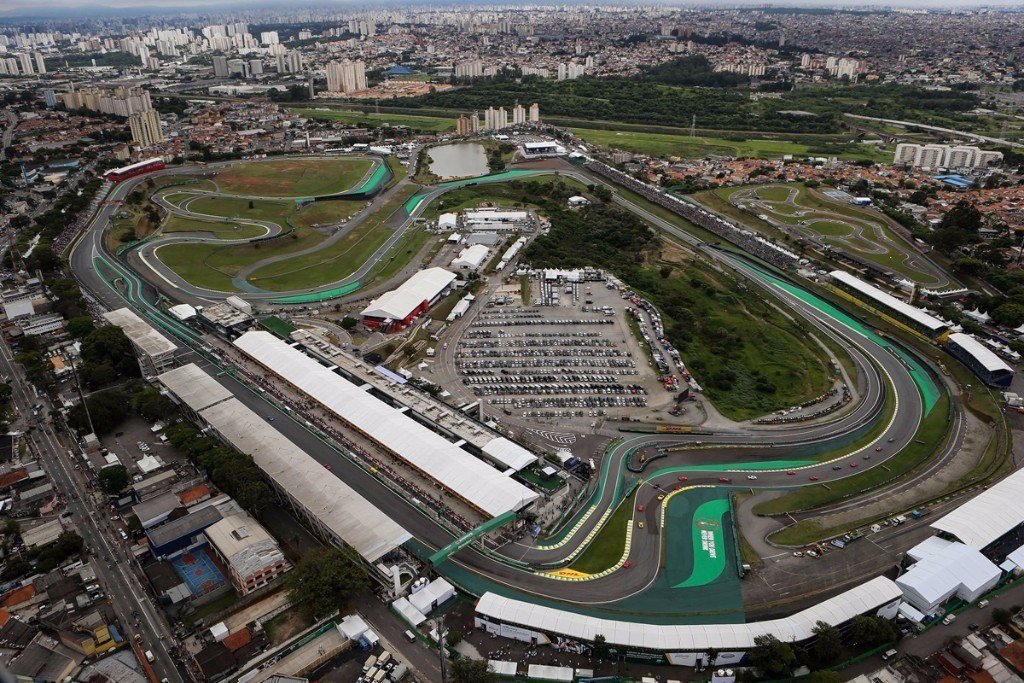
x=896 y=311
x=487 y=490
x=982 y=361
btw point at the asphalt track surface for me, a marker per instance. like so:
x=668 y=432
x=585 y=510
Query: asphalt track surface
x=883 y=373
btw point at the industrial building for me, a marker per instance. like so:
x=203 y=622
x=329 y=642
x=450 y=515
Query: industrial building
x=156 y=353
x=482 y=487
x=334 y=511
x=394 y=310
x=252 y=555
x=882 y=303
x=495 y=220
x=471 y=258
x=981 y=360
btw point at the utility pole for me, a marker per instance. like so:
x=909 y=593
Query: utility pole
x=81 y=397
x=693 y=126
x=442 y=646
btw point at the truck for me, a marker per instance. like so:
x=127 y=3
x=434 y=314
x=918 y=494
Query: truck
x=149 y=656
x=399 y=672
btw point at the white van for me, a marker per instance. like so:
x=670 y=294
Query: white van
x=949 y=619
x=889 y=654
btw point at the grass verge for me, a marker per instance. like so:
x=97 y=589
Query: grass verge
x=607 y=547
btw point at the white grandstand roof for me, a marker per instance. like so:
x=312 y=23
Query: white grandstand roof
x=356 y=521
x=194 y=387
x=140 y=332
x=467 y=476
x=863 y=599
x=336 y=505
x=509 y=453
x=888 y=300
x=989 y=515
x=984 y=355
x=401 y=301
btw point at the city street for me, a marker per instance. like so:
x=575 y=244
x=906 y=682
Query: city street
x=110 y=556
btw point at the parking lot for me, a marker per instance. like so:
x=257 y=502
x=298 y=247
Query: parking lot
x=566 y=353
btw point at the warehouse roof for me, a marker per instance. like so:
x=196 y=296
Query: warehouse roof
x=468 y=477
x=140 y=332
x=888 y=300
x=981 y=353
x=471 y=257
x=188 y=525
x=337 y=506
x=989 y=515
x=194 y=387
x=424 y=285
x=863 y=599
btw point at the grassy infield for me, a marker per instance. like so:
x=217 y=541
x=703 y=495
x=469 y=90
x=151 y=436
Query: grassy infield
x=213 y=266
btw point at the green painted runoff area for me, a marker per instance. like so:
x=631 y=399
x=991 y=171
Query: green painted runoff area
x=707 y=547
x=318 y=296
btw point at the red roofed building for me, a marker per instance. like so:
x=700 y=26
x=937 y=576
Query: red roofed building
x=196 y=494
x=18 y=596
x=238 y=639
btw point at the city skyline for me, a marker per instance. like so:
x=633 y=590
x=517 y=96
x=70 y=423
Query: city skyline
x=23 y=9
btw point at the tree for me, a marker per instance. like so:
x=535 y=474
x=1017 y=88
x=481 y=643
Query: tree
x=109 y=344
x=113 y=479
x=466 y=670
x=772 y=656
x=1009 y=315
x=1002 y=616
x=324 y=581
x=349 y=323
x=600 y=649
x=80 y=326
x=867 y=631
x=828 y=644
x=152 y=405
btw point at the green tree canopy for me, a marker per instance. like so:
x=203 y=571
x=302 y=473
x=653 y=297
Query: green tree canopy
x=466 y=670
x=325 y=580
x=828 y=644
x=774 y=657
x=113 y=479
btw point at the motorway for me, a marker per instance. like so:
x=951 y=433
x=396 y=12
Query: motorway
x=888 y=386
x=110 y=559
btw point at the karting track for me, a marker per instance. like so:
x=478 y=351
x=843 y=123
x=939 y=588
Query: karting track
x=896 y=390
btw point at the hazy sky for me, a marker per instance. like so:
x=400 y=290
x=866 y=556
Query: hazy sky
x=56 y=8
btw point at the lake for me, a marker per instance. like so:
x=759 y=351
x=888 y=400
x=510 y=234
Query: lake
x=460 y=160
